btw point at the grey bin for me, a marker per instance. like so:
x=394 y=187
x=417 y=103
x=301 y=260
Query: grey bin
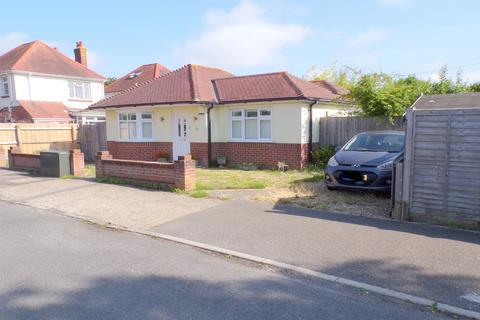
x=54 y=163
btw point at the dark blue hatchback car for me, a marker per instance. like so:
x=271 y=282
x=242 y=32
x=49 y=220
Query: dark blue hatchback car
x=365 y=162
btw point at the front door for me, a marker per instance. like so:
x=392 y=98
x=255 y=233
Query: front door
x=181 y=143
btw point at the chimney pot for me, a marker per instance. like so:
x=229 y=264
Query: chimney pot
x=80 y=53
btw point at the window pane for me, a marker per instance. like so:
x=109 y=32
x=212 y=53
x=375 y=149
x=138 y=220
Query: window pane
x=132 y=116
x=251 y=113
x=124 y=130
x=265 y=129
x=71 y=90
x=147 y=130
x=251 y=129
x=132 y=130
x=122 y=116
x=78 y=90
x=237 y=113
x=237 y=129
x=265 y=112
x=146 y=116
x=87 y=90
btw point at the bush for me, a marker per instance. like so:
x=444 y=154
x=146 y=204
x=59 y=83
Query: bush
x=321 y=156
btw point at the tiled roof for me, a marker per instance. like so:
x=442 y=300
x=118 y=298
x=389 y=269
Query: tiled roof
x=336 y=89
x=269 y=86
x=37 y=57
x=138 y=76
x=45 y=109
x=189 y=84
x=193 y=83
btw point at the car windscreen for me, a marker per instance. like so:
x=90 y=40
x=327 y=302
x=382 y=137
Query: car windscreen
x=376 y=142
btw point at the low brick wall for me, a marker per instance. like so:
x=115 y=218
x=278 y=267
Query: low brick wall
x=180 y=174
x=31 y=162
x=23 y=161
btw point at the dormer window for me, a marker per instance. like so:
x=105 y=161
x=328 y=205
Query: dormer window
x=134 y=75
x=79 y=90
x=5 y=89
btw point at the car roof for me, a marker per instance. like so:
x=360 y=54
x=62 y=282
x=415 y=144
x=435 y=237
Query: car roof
x=384 y=132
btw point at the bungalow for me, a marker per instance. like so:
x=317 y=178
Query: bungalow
x=208 y=112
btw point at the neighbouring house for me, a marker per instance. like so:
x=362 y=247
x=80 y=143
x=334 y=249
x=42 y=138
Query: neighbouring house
x=40 y=84
x=210 y=113
x=136 y=77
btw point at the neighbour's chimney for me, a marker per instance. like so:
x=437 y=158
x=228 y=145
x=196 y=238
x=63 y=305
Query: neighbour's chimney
x=80 y=53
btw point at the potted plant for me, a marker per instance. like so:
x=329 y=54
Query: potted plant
x=161 y=156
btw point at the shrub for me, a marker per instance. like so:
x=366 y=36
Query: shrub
x=321 y=156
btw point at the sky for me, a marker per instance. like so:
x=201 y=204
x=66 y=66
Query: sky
x=256 y=36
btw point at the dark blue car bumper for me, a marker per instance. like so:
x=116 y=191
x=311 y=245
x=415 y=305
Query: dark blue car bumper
x=362 y=178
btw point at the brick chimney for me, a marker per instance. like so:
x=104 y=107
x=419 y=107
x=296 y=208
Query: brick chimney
x=80 y=53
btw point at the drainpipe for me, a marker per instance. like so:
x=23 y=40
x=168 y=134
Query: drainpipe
x=310 y=129
x=209 y=133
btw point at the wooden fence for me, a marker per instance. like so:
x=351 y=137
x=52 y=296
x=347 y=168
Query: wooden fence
x=92 y=138
x=36 y=137
x=338 y=130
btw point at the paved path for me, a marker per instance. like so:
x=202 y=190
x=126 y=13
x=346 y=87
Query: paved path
x=427 y=261
x=54 y=267
x=122 y=205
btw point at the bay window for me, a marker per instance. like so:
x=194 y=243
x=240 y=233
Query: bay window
x=251 y=125
x=135 y=126
x=79 y=90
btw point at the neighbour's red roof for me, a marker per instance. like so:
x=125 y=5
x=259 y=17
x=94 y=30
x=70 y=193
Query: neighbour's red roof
x=45 y=109
x=268 y=86
x=136 y=77
x=331 y=86
x=37 y=57
x=189 y=84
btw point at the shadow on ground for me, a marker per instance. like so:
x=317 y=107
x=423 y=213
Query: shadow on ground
x=427 y=230
x=155 y=297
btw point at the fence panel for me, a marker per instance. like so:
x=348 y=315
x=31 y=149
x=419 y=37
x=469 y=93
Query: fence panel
x=338 y=130
x=36 y=137
x=93 y=138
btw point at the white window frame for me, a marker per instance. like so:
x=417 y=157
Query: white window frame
x=258 y=118
x=5 y=84
x=139 y=125
x=86 y=90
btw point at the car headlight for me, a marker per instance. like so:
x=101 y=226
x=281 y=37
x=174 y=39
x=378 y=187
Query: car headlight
x=332 y=162
x=386 y=166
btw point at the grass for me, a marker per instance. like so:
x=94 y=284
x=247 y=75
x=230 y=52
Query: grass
x=223 y=179
x=90 y=170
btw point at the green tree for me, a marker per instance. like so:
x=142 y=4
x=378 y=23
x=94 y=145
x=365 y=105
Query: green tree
x=110 y=80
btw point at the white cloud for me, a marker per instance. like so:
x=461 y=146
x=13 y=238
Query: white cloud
x=368 y=37
x=245 y=36
x=11 y=40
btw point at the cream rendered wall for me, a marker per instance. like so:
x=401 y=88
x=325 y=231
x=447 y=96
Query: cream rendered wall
x=44 y=88
x=318 y=111
x=286 y=120
x=163 y=122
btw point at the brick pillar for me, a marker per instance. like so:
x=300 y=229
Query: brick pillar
x=185 y=173
x=101 y=155
x=77 y=162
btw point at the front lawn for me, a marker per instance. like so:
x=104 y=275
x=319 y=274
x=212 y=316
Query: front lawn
x=222 y=179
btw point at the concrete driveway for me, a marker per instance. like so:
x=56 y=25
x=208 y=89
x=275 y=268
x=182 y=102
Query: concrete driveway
x=424 y=260
x=120 y=205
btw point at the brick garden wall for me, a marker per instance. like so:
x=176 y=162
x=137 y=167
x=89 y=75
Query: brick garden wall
x=265 y=155
x=180 y=174
x=23 y=161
